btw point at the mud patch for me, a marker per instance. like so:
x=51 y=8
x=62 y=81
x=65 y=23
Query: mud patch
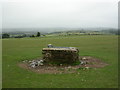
x=54 y=69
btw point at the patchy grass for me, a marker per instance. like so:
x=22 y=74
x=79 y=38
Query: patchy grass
x=103 y=47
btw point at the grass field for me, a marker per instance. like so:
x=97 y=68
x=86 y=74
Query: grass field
x=104 y=47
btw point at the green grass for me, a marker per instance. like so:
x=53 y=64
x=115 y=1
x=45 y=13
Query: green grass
x=103 y=47
x=0 y=64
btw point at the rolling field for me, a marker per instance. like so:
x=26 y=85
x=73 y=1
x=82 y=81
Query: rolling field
x=104 y=47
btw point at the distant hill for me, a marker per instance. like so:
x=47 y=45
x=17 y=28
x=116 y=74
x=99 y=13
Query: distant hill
x=49 y=30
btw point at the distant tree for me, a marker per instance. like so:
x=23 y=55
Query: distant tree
x=118 y=31
x=5 y=35
x=44 y=35
x=18 y=36
x=32 y=36
x=38 y=34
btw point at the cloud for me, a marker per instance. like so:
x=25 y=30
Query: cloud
x=59 y=13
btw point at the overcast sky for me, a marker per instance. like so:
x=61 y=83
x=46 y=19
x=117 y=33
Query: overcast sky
x=59 y=13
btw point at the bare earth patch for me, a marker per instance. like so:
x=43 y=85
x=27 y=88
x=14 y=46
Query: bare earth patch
x=54 y=69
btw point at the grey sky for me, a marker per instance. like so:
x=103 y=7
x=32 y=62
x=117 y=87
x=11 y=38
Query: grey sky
x=60 y=13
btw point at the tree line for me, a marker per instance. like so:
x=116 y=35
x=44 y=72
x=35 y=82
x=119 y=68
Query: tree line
x=6 y=35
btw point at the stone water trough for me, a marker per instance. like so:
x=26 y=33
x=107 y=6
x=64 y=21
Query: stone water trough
x=60 y=54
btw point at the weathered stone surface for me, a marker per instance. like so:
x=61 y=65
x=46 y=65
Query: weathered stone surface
x=61 y=54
